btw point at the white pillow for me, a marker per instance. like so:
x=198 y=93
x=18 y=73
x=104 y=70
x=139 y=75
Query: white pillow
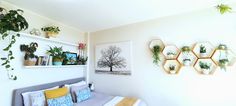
x=37 y=99
x=81 y=83
x=26 y=96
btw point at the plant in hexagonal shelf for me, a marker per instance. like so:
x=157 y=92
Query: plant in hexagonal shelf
x=205 y=67
x=156 y=54
x=172 y=69
x=203 y=51
x=186 y=55
x=223 y=58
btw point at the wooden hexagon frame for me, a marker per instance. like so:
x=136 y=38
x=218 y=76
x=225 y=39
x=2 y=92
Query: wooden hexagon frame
x=175 y=63
x=212 y=69
x=171 y=52
x=209 y=50
x=193 y=57
x=231 y=56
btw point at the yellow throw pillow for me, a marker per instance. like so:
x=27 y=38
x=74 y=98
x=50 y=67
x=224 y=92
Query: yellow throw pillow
x=55 y=93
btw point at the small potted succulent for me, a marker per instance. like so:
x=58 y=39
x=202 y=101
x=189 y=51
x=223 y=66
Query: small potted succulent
x=82 y=60
x=172 y=69
x=30 y=57
x=205 y=67
x=222 y=47
x=156 y=54
x=203 y=51
x=57 y=54
x=186 y=55
x=171 y=54
x=51 y=31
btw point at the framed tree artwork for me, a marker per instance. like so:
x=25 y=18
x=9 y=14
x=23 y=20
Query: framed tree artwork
x=113 y=58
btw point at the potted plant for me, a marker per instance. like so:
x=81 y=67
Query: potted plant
x=30 y=58
x=222 y=47
x=186 y=55
x=11 y=21
x=172 y=69
x=57 y=55
x=156 y=54
x=203 y=51
x=51 y=31
x=171 y=54
x=205 y=67
x=82 y=60
x=223 y=63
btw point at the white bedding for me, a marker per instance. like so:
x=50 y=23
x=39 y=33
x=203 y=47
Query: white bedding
x=117 y=99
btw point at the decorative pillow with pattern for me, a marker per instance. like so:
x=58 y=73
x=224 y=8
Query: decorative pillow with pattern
x=83 y=94
x=61 y=101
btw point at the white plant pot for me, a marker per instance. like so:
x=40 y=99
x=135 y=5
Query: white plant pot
x=203 y=54
x=206 y=71
x=187 y=63
x=172 y=72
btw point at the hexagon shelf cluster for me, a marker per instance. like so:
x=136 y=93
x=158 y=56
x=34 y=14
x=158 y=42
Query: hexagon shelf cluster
x=204 y=57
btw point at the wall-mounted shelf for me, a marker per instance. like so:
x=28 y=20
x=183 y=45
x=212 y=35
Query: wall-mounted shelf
x=62 y=66
x=47 y=39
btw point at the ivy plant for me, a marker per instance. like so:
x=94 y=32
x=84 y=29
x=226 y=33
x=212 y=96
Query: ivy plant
x=11 y=22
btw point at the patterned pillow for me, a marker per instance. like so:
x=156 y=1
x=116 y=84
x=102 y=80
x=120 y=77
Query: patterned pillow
x=61 y=101
x=83 y=94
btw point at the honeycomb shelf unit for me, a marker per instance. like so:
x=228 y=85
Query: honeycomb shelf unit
x=172 y=66
x=203 y=49
x=171 y=52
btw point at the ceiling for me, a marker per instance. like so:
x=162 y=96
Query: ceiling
x=94 y=15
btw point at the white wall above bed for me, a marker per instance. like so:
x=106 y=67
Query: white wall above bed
x=151 y=83
x=35 y=76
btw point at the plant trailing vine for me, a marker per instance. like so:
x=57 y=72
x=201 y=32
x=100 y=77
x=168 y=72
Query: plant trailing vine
x=11 y=22
x=156 y=51
x=223 y=8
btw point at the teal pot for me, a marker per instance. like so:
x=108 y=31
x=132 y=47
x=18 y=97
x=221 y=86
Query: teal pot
x=57 y=63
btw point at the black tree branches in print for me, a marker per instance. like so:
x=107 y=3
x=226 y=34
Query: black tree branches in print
x=111 y=58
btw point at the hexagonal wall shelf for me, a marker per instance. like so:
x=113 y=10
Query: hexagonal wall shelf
x=203 y=49
x=205 y=66
x=172 y=66
x=187 y=59
x=171 y=52
x=156 y=42
x=227 y=55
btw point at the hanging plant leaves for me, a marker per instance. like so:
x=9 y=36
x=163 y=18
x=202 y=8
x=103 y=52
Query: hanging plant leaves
x=11 y=21
x=223 y=8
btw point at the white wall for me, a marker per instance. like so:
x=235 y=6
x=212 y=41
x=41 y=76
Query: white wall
x=150 y=82
x=29 y=77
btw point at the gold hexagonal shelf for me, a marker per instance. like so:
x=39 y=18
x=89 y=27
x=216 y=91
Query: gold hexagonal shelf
x=226 y=57
x=203 y=49
x=187 y=58
x=172 y=66
x=171 y=52
x=155 y=42
x=205 y=66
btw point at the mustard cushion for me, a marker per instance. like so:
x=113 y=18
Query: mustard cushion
x=55 y=93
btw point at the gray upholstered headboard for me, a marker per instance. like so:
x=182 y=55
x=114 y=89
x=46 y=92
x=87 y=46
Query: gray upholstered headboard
x=17 y=99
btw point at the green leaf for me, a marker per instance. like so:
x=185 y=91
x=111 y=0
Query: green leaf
x=7 y=66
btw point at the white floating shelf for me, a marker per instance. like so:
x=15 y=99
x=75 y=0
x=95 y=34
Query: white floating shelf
x=62 y=66
x=47 y=39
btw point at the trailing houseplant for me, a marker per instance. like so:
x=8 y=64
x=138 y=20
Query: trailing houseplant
x=57 y=54
x=222 y=47
x=170 y=54
x=205 y=67
x=156 y=54
x=223 y=63
x=30 y=57
x=11 y=22
x=51 y=31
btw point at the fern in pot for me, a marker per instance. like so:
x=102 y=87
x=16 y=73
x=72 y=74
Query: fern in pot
x=30 y=58
x=57 y=54
x=186 y=55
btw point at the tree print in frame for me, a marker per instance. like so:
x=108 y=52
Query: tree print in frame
x=113 y=58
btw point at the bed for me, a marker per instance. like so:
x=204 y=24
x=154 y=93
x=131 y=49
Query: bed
x=97 y=99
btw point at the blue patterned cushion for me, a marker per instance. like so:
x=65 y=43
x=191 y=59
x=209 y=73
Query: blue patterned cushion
x=61 y=101
x=83 y=94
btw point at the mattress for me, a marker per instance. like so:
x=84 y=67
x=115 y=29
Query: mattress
x=100 y=99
